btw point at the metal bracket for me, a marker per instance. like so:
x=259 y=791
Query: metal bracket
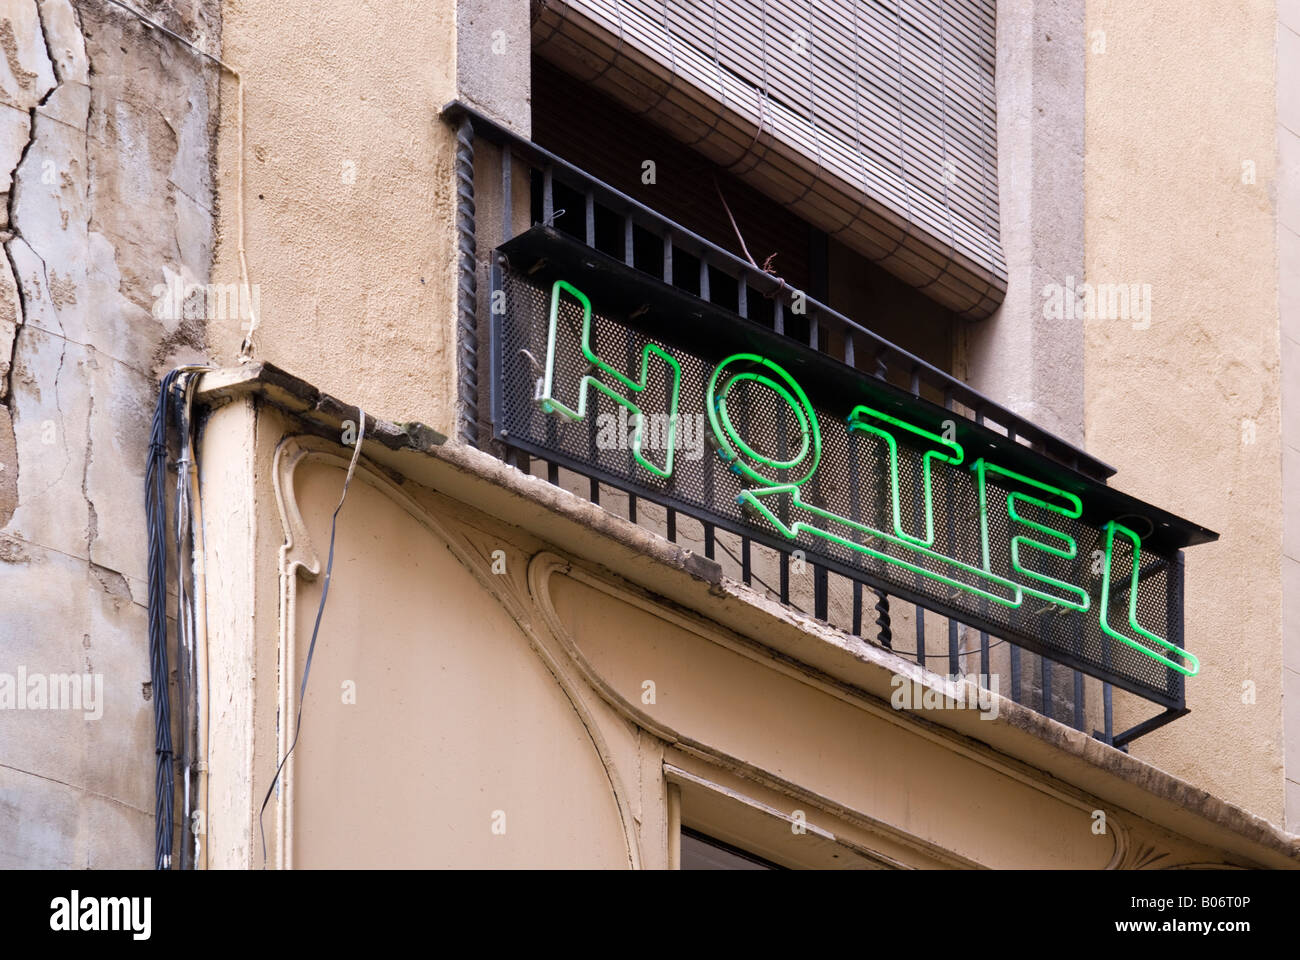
x=1121 y=740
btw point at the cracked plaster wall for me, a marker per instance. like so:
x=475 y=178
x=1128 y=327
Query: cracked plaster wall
x=106 y=131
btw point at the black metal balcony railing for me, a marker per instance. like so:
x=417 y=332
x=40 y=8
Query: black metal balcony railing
x=579 y=213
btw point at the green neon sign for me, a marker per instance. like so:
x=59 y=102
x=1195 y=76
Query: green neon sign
x=551 y=405
x=1078 y=598
x=1113 y=528
x=757 y=500
x=1032 y=543
x=860 y=419
x=732 y=447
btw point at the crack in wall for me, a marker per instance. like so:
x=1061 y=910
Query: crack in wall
x=25 y=78
x=10 y=232
x=92 y=517
x=105 y=160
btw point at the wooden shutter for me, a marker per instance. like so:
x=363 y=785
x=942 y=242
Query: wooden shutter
x=872 y=119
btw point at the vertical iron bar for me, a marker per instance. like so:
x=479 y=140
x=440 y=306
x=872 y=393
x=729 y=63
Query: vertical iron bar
x=671 y=513
x=821 y=592
x=985 y=668
x=954 y=667
x=706 y=294
x=1176 y=624
x=593 y=453
x=1106 y=701
x=1014 y=654
x=629 y=258
x=495 y=400
x=746 y=564
x=885 y=630
x=855 y=499
x=467 y=328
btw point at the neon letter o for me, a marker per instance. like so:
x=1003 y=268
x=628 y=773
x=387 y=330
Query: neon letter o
x=734 y=448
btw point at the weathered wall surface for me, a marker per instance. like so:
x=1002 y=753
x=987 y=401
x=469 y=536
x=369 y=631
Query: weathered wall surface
x=105 y=197
x=1180 y=189
x=349 y=197
x=1288 y=296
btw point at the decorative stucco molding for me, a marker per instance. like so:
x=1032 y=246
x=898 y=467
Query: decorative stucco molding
x=299 y=559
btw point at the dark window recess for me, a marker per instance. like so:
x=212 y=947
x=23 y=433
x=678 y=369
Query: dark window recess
x=612 y=144
x=702 y=852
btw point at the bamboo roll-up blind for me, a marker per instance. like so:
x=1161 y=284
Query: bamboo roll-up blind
x=872 y=119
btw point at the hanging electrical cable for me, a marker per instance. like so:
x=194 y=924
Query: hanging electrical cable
x=156 y=530
x=187 y=688
x=320 y=611
x=155 y=498
x=191 y=644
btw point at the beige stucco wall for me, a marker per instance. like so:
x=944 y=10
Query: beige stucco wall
x=1288 y=260
x=1188 y=410
x=347 y=176
x=435 y=707
x=349 y=196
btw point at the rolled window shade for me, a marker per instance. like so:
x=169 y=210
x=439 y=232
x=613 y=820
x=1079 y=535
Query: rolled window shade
x=873 y=120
